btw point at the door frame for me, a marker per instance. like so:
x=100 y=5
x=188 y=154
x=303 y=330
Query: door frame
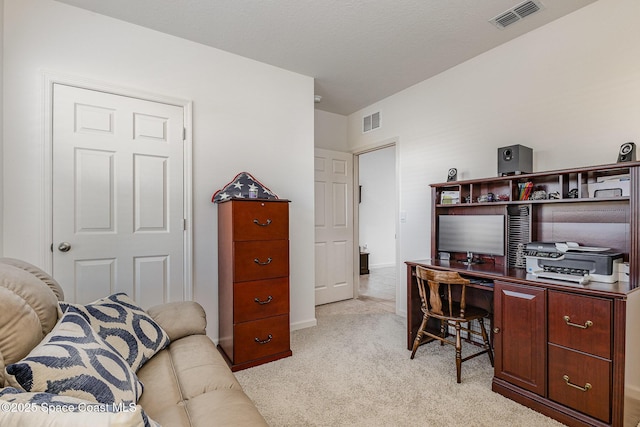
x=392 y=142
x=46 y=232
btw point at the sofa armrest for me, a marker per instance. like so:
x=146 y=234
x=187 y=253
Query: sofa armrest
x=180 y=319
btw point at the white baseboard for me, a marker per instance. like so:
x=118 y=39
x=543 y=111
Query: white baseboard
x=374 y=266
x=304 y=324
x=632 y=392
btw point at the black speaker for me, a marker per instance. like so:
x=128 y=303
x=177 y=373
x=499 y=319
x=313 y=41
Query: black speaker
x=452 y=175
x=514 y=160
x=627 y=152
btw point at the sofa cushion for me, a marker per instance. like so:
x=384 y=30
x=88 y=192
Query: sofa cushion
x=179 y=319
x=48 y=410
x=125 y=326
x=189 y=383
x=74 y=361
x=28 y=311
x=38 y=273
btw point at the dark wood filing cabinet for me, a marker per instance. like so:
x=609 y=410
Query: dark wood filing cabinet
x=253 y=281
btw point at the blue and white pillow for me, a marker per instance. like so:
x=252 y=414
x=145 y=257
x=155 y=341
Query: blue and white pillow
x=72 y=360
x=124 y=326
x=22 y=408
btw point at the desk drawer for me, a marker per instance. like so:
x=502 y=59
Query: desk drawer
x=260 y=299
x=580 y=322
x=255 y=260
x=261 y=338
x=570 y=372
x=260 y=220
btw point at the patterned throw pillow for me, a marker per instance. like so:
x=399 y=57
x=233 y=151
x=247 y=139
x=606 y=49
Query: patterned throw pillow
x=124 y=326
x=72 y=360
x=40 y=409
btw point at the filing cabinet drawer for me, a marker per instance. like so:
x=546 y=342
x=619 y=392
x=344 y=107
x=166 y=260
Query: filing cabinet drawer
x=260 y=299
x=258 y=220
x=255 y=260
x=580 y=381
x=580 y=322
x=260 y=338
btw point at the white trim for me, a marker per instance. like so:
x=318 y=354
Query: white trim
x=383 y=265
x=46 y=231
x=400 y=279
x=303 y=324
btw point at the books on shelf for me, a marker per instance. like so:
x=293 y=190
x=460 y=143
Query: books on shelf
x=449 y=197
x=524 y=190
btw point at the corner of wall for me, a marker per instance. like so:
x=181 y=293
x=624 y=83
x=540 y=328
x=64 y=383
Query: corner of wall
x=1 y=127
x=330 y=131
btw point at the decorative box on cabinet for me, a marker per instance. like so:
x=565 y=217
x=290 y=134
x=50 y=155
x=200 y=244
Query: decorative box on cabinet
x=253 y=281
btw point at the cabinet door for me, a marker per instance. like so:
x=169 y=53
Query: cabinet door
x=580 y=381
x=260 y=220
x=261 y=338
x=260 y=299
x=260 y=259
x=520 y=335
x=581 y=322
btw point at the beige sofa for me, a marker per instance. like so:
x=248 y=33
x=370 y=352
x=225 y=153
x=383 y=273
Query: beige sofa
x=185 y=384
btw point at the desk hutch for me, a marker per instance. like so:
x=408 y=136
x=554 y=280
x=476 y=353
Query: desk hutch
x=568 y=350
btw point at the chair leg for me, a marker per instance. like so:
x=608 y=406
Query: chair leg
x=416 y=342
x=458 y=352
x=485 y=338
x=444 y=325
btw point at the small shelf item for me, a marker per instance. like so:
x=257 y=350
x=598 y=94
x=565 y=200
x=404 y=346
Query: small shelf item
x=364 y=263
x=524 y=190
x=449 y=197
x=243 y=186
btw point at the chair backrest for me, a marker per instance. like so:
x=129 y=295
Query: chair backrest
x=432 y=301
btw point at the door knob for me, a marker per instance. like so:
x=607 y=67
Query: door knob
x=496 y=330
x=64 y=247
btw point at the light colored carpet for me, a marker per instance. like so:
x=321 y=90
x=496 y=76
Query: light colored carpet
x=353 y=369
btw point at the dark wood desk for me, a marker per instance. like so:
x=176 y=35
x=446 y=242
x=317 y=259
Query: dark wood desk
x=477 y=294
x=544 y=350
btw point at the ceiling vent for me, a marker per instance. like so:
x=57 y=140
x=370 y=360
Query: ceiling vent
x=516 y=13
x=371 y=122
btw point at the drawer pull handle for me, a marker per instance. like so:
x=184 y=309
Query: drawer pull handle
x=585 y=326
x=262 y=224
x=270 y=337
x=267 y=301
x=267 y=262
x=586 y=387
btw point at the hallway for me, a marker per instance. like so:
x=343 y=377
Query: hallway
x=379 y=287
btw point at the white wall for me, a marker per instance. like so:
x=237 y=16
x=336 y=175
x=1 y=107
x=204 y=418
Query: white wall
x=330 y=131
x=247 y=116
x=1 y=124
x=377 y=209
x=570 y=90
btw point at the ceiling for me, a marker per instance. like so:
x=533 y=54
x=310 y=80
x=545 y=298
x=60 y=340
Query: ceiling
x=358 y=51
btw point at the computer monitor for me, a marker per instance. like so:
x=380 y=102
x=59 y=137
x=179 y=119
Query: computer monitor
x=473 y=234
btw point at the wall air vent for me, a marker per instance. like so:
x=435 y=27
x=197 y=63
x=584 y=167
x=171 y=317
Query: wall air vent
x=371 y=122
x=516 y=13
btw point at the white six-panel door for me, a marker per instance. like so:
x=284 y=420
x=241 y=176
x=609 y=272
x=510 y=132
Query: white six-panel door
x=118 y=204
x=333 y=226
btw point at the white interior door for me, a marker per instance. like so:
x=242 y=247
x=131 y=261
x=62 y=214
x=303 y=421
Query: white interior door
x=334 y=226
x=118 y=202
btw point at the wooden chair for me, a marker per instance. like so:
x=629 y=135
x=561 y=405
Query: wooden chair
x=452 y=313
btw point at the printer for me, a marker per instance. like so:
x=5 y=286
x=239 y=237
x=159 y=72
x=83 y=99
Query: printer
x=572 y=262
